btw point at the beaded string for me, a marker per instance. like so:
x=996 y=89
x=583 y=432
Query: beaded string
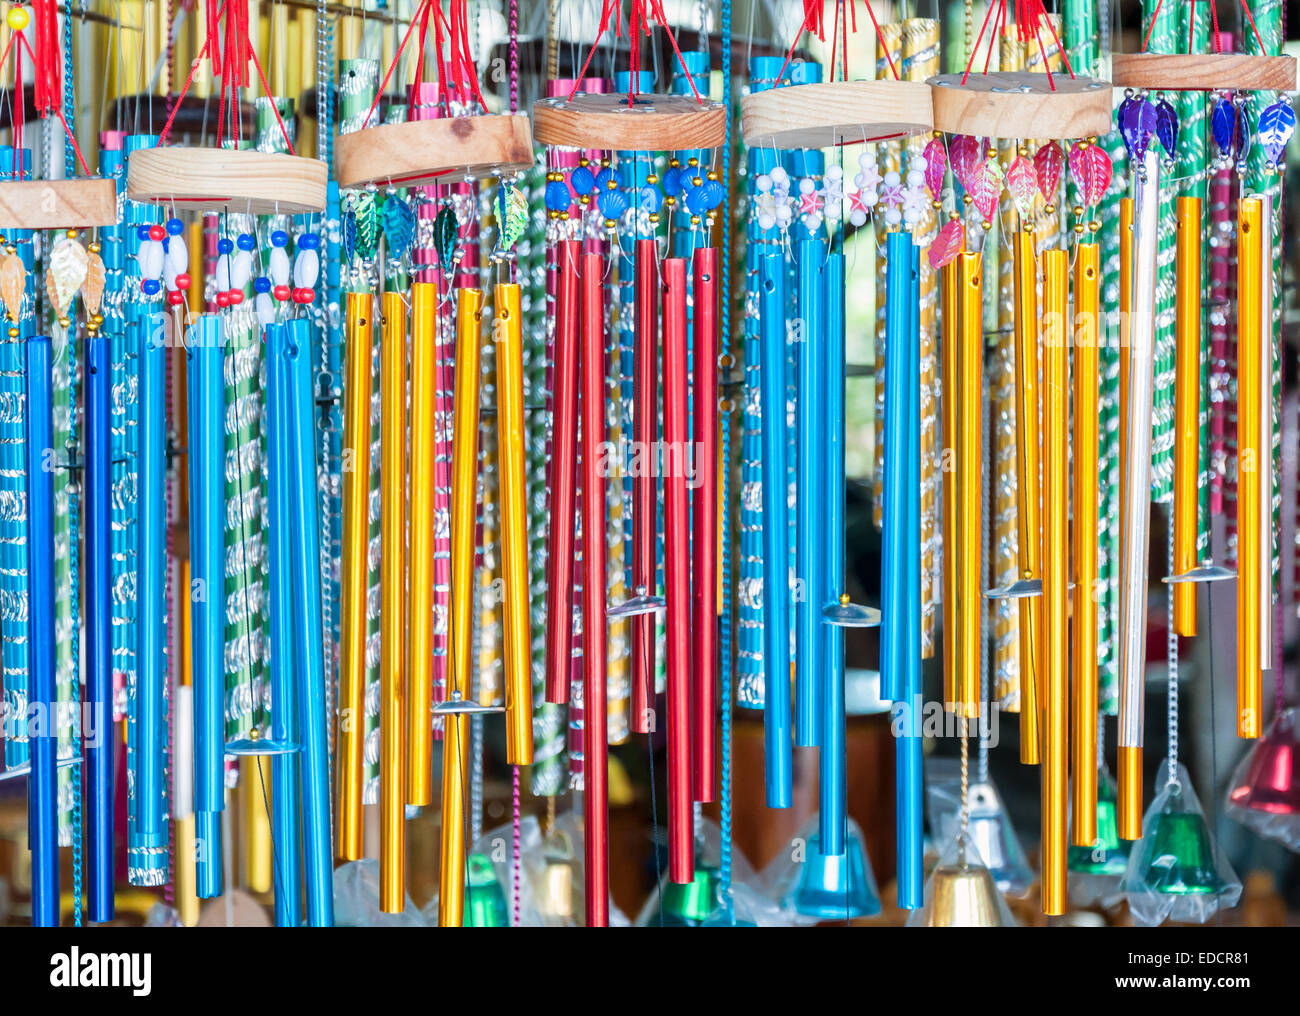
x=514 y=781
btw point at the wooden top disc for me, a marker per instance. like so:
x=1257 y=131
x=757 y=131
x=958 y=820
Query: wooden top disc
x=1195 y=72
x=834 y=113
x=434 y=151
x=227 y=180
x=655 y=123
x=58 y=204
x=1019 y=104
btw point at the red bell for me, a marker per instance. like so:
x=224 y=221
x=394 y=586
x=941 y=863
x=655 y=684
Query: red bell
x=1270 y=779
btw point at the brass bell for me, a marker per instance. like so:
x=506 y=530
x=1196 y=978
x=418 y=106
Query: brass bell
x=557 y=886
x=963 y=895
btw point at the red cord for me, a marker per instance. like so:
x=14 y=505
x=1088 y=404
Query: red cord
x=176 y=107
x=1251 y=18
x=424 y=10
x=1152 y=26
x=970 y=60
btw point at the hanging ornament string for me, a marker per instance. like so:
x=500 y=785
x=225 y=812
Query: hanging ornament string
x=813 y=23
x=639 y=18
x=47 y=59
x=1030 y=16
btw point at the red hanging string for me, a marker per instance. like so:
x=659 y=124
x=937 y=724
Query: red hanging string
x=642 y=15
x=812 y=22
x=422 y=19
x=20 y=100
x=1251 y=18
x=999 y=22
x=1214 y=16
x=970 y=60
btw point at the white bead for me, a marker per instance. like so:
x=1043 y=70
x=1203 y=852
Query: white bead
x=858 y=217
x=766 y=220
x=763 y=182
x=278 y=266
x=241 y=270
x=919 y=162
x=151 y=259
x=870 y=198
x=834 y=173
x=915 y=178
x=892 y=179
x=178 y=257
x=806 y=186
x=866 y=159
x=306 y=269
x=779 y=175
x=223 y=273
x=893 y=216
x=265 y=307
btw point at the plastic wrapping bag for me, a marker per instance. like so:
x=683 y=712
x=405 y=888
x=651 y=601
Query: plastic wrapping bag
x=810 y=887
x=1176 y=872
x=992 y=836
x=1265 y=787
x=356 y=899
x=1097 y=871
x=961 y=893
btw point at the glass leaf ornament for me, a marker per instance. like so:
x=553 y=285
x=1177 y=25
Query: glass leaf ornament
x=1175 y=871
x=1167 y=127
x=985 y=188
x=13 y=283
x=348 y=224
x=92 y=288
x=1243 y=134
x=1137 y=125
x=1022 y=185
x=68 y=264
x=1265 y=788
x=965 y=153
x=399 y=226
x=365 y=210
x=1091 y=169
x=1274 y=130
x=512 y=217
x=1049 y=160
x=936 y=164
x=946 y=244
x=446 y=236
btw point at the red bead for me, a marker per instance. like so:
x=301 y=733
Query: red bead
x=183 y=280
x=175 y=297
x=236 y=297
x=304 y=295
x=157 y=232
x=223 y=299
x=281 y=292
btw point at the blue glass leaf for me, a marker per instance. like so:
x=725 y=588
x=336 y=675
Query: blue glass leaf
x=445 y=237
x=1223 y=124
x=349 y=237
x=399 y=226
x=1167 y=127
x=1243 y=132
x=1137 y=124
x=1275 y=127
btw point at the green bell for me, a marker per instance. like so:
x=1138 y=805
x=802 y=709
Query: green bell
x=1177 y=856
x=485 y=901
x=689 y=905
x=1108 y=854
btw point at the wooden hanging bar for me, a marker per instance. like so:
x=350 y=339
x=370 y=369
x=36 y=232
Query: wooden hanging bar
x=54 y=204
x=1201 y=72
x=652 y=123
x=434 y=151
x=1008 y=105
x=835 y=113
x=224 y=179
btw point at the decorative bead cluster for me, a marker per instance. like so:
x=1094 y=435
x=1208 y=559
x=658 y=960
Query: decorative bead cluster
x=164 y=261
x=698 y=190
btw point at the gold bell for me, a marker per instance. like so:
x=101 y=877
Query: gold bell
x=964 y=896
x=557 y=886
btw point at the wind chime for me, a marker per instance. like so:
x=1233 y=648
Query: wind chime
x=1190 y=880
x=463 y=144
x=584 y=201
x=42 y=699
x=976 y=109
x=259 y=325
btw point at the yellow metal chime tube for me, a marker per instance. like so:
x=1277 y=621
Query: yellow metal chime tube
x=1250 y=331
x=1083 y=704
x=359 y=337
x=949 y=288
x=455 y=744
x=419 y=668
x=514 y=524
x=1187 y=408
x=392 y=719
x=1056 y=453
x=1027 y=490
x=970 y=479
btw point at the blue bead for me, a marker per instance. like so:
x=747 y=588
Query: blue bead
x=309 y=241
x=582 y=180
x=612 y=203
x=225 y=245
x=558 y=197
x=607 y=176
x=247 y=241
x=175 y=227
x=714 y=192
x=695 y=200
x=673 y=181
x=142 y=232
x=279 y=238
x=262 y=284
x=150 y=287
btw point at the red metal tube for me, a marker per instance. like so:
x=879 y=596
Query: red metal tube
x=677 y=574
x=564 y=454
x=596 y=721
x=704 y=546
x=644 y=529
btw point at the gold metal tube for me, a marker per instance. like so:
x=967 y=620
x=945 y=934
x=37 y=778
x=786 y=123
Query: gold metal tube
x=949 y=288
x=1083 y=705
x=514 y=525
x=1187 y=408
x=970 y=609
x=1056 y=530
x=254 y=777
x=1129 y=810
x=455 y=744
x=1249 y=463
x=419 y=667
x=392 y=715
x=359 y=337
x=1029 y=534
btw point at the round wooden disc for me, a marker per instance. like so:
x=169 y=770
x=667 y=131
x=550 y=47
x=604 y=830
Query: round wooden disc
x=434 y=151
x=834 y=113
x=1019 y=104
x=655 y=123
x=227 y=180
x=1194 y=72
x=78 y=203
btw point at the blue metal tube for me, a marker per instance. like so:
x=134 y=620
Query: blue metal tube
x=207 y=412
x=776 y=587
x=810 y=500
x=897 y=294
x=284 y=706
x=42 y=785
x=911 y=875
x=97 y=748
x=833 y=783
x=308 y=659
x=150 y=732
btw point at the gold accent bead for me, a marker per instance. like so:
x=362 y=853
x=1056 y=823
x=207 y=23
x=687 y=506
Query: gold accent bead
x=1078 y=211
x=1049 y=209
